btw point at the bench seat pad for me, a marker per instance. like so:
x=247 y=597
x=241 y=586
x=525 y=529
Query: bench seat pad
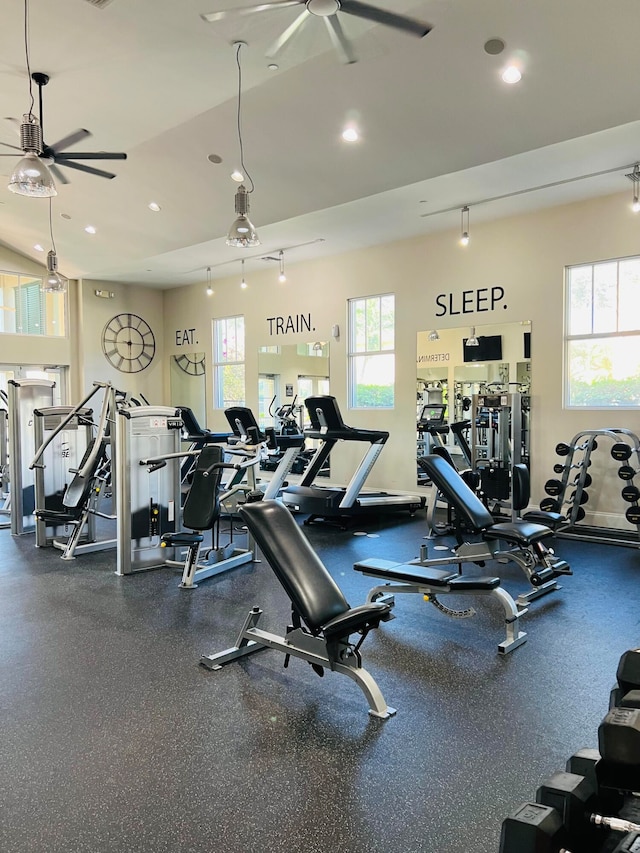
x=421 y=575
x=519 y=533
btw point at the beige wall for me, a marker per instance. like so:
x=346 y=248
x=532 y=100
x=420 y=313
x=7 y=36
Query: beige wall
x=523 y=255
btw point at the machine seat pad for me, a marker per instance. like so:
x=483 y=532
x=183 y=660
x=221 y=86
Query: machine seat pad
x=519 y=532
x=364 y=616
x=59 y=516
x=404 y=572
x=469 y=582
x=549 y=519
x=182 y=538
x=410 y=573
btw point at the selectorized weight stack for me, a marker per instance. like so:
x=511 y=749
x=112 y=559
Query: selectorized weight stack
x=148 y=502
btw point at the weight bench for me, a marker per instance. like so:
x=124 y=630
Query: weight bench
x=322 y=620
x=538 y=563
x=431 y=583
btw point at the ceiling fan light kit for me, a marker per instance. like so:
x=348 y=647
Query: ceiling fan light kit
x=328 y=9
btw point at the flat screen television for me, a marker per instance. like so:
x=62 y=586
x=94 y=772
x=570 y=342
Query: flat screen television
x=489 y=349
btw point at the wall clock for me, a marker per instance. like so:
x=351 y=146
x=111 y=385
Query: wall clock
x=128 y=343
x=193 y=363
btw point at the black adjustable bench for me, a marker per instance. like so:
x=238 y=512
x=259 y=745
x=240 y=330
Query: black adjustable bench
x=430 y=583
x=539 y=565
x=322 y=620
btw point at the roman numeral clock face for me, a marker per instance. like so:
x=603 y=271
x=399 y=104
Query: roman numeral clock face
x=128 y=343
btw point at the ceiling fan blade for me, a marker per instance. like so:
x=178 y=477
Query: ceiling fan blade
x=15 y=148
x=90 y=155
x=57 y=174
x=382 y=16
x=74 y=137
x=288 y=34
x=339 y=40
x=211 y=17
x=89 y=169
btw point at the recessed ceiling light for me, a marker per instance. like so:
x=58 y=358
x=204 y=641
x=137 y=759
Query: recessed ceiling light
x=494 y=46
x=272 y=66
x=38 y=247
x=511 y=75
x=350 y=134
x=237 y=175
x=90 y=229
x=214 y=158
x=153 y=205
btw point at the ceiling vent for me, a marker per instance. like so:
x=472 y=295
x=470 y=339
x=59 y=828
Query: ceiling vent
x=99 y=3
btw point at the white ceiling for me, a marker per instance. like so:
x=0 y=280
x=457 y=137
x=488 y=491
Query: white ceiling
x=439 y=127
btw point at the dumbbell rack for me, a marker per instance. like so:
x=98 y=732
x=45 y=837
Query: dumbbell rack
x=569 y=495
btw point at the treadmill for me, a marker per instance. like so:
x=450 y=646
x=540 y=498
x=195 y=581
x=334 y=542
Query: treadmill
x=335 y=503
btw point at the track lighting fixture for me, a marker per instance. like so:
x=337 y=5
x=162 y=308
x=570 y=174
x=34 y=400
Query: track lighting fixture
x=209 y=288
x=282 y=277
x=473 y=341
x=634 y=177
x=243 y=283
x=464 y=226
x=31 y=176
x=242 y=234
x=53 y=282
x=434 y=336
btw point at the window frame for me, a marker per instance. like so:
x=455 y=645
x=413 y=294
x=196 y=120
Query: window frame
x=220 y=362
x=356 y=351
x=592 y=336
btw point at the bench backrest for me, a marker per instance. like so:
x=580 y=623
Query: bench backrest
x=314 y=594
x=201 y=507
x=470 y=509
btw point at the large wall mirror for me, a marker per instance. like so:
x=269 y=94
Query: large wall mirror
x=188 y=383
x=288 y=374
x=458 y=370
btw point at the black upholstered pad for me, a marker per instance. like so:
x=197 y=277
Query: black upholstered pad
x=355 y=619
x=314 y=594
x=423 y=575
x=182 y=538
x=519 y=533
x=201 y=508
x=447 y=480
x=243 y=422
x=549 y=519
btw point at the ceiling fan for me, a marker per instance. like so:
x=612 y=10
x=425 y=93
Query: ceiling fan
x=328 y=9
x=55 y=155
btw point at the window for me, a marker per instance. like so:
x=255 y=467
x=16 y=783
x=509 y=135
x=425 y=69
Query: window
x=371 y=352
x=228 y=356
x=602 y=335
x=267 y=394
x=25 y=309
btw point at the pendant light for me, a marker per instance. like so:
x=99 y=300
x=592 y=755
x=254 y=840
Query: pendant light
x=209 y=287
x=473 y=341
x=242 y=234
x=31 y=176
x=243 y=283
x=282 y=277
x=53 y=282
x=634 y=177
x=464 y=226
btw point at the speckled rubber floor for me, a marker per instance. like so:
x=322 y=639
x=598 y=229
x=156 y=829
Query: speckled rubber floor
x=115 y=740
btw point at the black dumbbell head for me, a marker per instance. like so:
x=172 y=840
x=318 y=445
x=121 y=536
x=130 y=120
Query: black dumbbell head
x=628 y=672
x=626 y=472
x=633 y=515
x=549 y=505
x=619 y=739
x=621 y=451
x=532 y=828
x=563 y=449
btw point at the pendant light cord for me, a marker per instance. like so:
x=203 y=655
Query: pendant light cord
x=53 y=243
x=244 y=168
x=26 y=52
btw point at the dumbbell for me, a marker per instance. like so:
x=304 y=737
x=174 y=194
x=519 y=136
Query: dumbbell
x=554 y=487
x=626 y=472
x=619 y=745
x=563 y=449
x=551 y=505
x=559 y=467
x=621 y=451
